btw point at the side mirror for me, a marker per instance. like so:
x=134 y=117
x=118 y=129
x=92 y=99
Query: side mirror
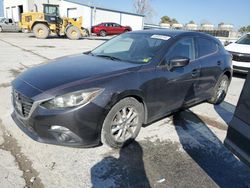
x=178 y=62
x=227 y=43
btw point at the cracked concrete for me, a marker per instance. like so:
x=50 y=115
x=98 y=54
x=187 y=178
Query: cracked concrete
x=10 y=146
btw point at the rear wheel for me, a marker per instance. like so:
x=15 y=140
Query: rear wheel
x=103 y=33
x=73 y=33
x=123 y=123
x=1 y=29
x=41 y=31
x=220 y=90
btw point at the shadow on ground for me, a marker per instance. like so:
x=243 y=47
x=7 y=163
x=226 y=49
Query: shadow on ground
x=202 y=145
x=198 y=160
x=125 y=171
x=225 y=111
x=82 y=38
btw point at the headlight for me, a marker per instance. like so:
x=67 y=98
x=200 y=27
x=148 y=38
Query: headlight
x=72 y=99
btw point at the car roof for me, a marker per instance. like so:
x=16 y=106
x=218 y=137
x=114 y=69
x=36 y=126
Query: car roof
x=172 y=33
x=176 y=33
x=108 y=22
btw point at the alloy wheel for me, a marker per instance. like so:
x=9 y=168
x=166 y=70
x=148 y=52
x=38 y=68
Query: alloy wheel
x=222 y=89
x=124 y=124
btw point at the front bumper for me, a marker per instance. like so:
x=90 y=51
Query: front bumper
x=82 y=124
x=242 y=67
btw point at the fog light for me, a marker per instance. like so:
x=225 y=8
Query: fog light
x=64 y=137
x=63 y=134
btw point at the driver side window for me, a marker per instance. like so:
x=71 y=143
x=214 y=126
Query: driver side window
x=183 y=48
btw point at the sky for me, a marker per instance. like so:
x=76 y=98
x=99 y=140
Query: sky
x=235 y=12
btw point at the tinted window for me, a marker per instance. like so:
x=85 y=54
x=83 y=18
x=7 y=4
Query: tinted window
x=183 y=48
x=206 y=47
x=108 y=24
x=244 y=40
x=53 y=10
x=116 y=25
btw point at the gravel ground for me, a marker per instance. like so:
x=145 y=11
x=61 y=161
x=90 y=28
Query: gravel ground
x=183 y=150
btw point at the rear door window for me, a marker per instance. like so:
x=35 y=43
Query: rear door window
x=206 y=47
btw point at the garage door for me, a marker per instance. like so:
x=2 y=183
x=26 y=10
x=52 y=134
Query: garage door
x=134 y=21
x=72 y=13
x=105 y=16
x=8 y=12
x=15 y=15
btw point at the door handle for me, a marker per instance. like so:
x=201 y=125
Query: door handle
x=195 y=73
x=218 y=63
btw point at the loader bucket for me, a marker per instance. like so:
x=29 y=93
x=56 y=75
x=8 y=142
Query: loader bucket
x=238 y=134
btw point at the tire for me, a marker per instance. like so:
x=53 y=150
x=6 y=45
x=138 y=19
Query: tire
x=73 y=33
x=220 y=90
x=1 y=29
x=103 y=33
x=126 y=31
x=119 y=130
x=85 y=32
x=41 y=31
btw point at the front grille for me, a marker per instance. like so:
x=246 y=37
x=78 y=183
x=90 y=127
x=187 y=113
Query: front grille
x=22 y=104
x=241 y=57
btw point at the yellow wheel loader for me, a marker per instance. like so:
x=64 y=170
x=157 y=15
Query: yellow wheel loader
x=50 y=22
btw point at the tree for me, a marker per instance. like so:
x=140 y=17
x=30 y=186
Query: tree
x=167 y=19
x=174 y=21
x=144 y=7
x=191 y=22
x=244 y=29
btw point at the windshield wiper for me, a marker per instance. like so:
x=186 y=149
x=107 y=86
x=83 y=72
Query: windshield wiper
x=109 y=57
x=88 y=53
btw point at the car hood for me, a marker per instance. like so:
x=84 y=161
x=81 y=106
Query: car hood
x=240 y=48
x=71 y=68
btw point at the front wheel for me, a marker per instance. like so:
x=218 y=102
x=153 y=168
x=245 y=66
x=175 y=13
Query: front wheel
x=73 y=33
x=1 y=30
x=123 y=123
x=220 y=90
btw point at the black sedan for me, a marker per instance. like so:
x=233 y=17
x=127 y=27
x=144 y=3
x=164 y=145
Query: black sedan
x=105 y=95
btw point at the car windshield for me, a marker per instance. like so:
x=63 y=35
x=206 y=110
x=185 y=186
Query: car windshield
x=244 y=40
x=131 y=47
x=1 y=20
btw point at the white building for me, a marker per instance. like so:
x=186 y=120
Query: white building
x=207 y=26
x=14 y=8
x=177 y=26
x=225 y=27
x=94 y=15
x=191 y=26
x=91 y=15
x=165 y=25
